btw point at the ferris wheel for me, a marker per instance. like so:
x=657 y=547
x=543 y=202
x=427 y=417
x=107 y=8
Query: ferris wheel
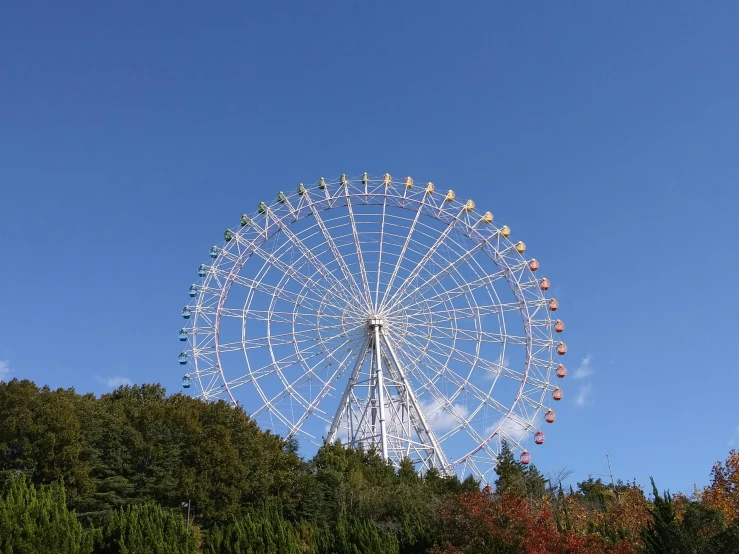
x=381 y=314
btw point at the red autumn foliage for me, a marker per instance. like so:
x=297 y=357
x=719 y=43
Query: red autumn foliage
x=476 y=524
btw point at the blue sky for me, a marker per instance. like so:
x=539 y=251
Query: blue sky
x=605 y=136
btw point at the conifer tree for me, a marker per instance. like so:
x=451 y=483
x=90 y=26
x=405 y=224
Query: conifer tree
x=261 y=531
x=37 y=521
x=664 y=534
x=511 y=476
x=407 y=471
x=355 y=536
x=535 y=482
x=147 y=529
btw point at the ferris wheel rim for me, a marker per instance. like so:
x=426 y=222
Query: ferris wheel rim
x=246 y=255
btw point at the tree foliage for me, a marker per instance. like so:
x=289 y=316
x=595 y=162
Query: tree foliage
x=723 y=492
x=37 y=521
x=475 y=523
x=111 y=474
x=516 y=478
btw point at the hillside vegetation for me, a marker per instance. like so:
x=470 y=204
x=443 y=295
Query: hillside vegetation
x=137 y=471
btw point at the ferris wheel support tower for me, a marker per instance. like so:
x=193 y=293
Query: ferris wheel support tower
x=365 y=416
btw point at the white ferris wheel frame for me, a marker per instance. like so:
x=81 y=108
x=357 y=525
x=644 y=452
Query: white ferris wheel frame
x=378 y=345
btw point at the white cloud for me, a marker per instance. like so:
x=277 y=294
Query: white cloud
x=735 y=439
x=115 y=382
x=583 y=396
x=510 y=429
x=584 y=370
x=441 y=418
x=491 y=375
x=4 y=369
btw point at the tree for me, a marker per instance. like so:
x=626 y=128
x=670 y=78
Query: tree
x=147 y=529
x=40 y=433
x=356 y=536
x=473 y=524
x=261 y=531
x=726 y=542
x=723 y=492
x=535 y=483
x=701 y=523
x=37 y=521
x=557 y=478
x=407 y=471
x=626 y=518
x=664 y=534
x=511 y=475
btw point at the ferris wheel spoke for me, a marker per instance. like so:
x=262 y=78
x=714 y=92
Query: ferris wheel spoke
x=291 y=272
x=284 y=339
x=474 y=361
x=328 y=385
x=463 y=423
x=379 y=256
x=255 y=375
x=469 y=387
x=323 y=271
x=224 y=254
x=292 y=318
x=438 y=276
x=449 y=333
x=486 y=336
x=439 y=298
x=416 y=271
x=401 y=256
x=358 y=247
x=457 y=314
x=279 y=292
x=291 y=388
x=429 y=304
x=348 y=275
x=494 y=369
x=266 y=370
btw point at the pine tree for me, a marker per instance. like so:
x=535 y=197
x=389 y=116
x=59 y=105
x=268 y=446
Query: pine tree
x=407 y=471
x=37 y=521
x=511 y=475
x=355 y=536
x=147 y=529
x=664 y=534
x=535 y=483
x=261 y=531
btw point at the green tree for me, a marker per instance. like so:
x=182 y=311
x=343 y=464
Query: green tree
x=726 y=542
x=536 y=484
x=263 y=531
x=595 y=493
x=142 y=446
x=511 y=474
x=407 y=471
x=664 y=534
x=40 y=433
x=355 y=536
x=146 y=529
x=701 y=523
x=37 y=521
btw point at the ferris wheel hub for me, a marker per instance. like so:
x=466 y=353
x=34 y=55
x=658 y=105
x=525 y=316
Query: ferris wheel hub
x=375 y=320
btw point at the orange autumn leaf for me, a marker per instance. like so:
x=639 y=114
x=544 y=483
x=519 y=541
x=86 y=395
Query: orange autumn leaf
x=723 y=492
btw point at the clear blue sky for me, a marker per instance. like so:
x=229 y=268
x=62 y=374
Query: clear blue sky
x=132 y=134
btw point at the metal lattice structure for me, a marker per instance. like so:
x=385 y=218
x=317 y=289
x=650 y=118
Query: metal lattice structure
x=382 y=314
